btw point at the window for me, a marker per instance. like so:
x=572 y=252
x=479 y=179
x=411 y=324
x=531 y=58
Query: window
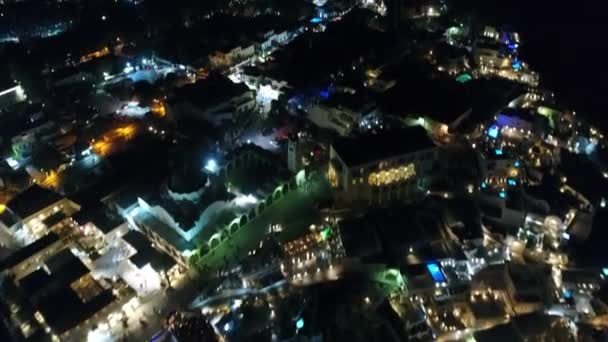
x=391 y=176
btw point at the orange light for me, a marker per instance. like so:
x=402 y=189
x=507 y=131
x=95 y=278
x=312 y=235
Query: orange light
x=159 y=109
x=52 y=180
x=126 y=132
x=101 y=147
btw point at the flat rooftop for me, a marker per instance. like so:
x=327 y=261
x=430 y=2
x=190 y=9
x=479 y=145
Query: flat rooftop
x=371 y=148
x=29 y=250
x=146 y=253
x=32 y=200
x=100 y=217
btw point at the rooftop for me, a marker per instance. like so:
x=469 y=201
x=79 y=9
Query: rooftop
x=166 y=232
x=209 y=92
x=146 y=253
x=29 y=250
x=100 y=217
x=32 y=200
x=371 y=148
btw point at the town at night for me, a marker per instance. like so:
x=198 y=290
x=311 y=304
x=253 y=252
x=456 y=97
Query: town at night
x=303 y=171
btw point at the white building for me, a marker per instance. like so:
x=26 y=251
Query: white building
x=11 y=94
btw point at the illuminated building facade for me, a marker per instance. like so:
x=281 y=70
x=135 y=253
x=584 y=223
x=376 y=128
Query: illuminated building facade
x=33 y=214
x=12 y=94
x=380 y=168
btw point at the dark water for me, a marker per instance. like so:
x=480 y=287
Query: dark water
x=565 y=41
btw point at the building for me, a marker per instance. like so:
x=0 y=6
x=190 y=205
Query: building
x=223 y=100
x=530 y=327
x=341 y=112
x=380 y=168
x=24 y=144
x=11 y=93
x=340 y=120
x=525 y=288
x=34 y=213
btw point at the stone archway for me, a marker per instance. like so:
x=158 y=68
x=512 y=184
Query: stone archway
x=243 y=221
x=215 y=240
x=260 y=208
x=234 y=227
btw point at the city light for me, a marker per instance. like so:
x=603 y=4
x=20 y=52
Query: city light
x=300 y=323
x=211 y=166
x=436 y=273
x=493 y=132
x=245 y=200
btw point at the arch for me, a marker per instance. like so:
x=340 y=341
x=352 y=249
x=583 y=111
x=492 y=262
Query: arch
x=243 y=220
x=252 y=214
x=269 y=200
x=234 y=227
x=215 y=240
x=193 y=260
x=278 y=192
x=261 y=206
x=203 y=250
x=292 y=184
x=225 y=233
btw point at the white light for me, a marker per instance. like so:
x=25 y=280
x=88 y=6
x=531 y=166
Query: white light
x=244 y=200
x=227 y=327
x=211 y=166
x=15 y=89
x=12 y=163
x=103 y=17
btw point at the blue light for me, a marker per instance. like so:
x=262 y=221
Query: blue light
x=517 y=163
x=324 y=94
x=300 y=323
x=315 y=20
x=516 y=65
x=493 y=132
x=567 y=294
x=498 y=152
x=227 y=327
x=435 y=272
x=484 y=185
x=502 y=194
x=605 y=271
x=511 y=182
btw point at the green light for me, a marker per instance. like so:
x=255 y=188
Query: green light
x=325 y=233
x=300 y=323
x=464 y=78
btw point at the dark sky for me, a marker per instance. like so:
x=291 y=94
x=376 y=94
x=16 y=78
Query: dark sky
x=565 y=41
